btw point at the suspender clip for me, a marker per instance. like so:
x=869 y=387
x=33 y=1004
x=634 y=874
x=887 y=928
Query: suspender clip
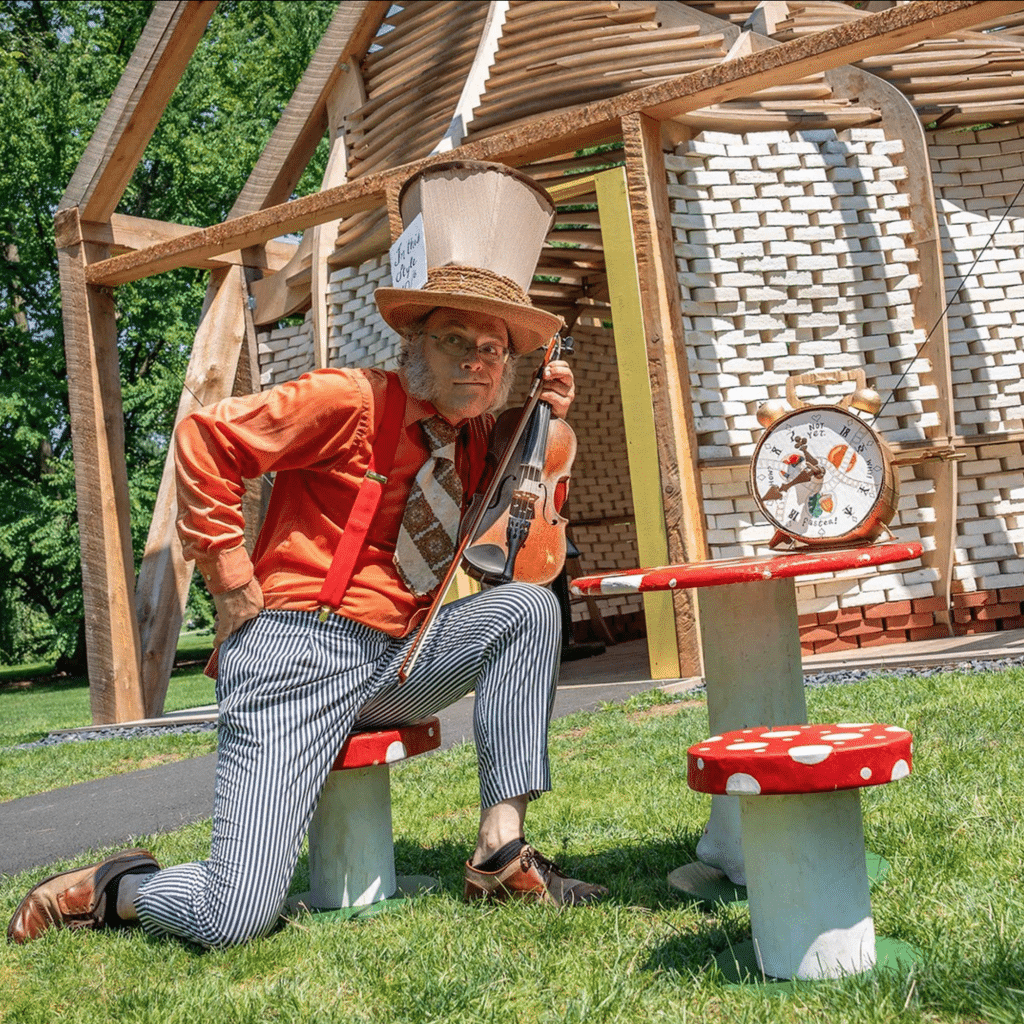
x=325 y=613
x=370 y=475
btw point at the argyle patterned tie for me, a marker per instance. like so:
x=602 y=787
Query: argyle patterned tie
x=426 y=541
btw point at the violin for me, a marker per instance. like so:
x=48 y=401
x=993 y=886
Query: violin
x=532 y=486
x=520 y=534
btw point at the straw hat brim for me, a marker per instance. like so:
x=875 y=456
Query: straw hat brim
x=529 y=328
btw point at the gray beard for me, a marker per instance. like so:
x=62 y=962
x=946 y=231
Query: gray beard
x=421 y=382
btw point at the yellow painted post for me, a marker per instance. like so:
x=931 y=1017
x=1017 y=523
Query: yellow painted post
x=638 y=411
x=463 y=585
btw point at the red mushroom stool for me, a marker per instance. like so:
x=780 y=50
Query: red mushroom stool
x=803 y=838
x=351 y=846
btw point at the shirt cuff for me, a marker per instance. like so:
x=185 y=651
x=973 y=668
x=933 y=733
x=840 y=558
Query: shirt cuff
x=227 y=570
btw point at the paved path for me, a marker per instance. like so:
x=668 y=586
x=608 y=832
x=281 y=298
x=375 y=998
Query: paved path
x=65 y=823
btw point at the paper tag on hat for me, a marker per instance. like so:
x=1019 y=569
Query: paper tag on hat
x=409 y=257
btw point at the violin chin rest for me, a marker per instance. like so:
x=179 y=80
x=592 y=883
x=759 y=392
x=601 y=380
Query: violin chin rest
x=486 y=559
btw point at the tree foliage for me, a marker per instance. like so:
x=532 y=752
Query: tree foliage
x=59 y=64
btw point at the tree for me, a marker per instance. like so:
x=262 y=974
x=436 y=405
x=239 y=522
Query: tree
x=59 y=65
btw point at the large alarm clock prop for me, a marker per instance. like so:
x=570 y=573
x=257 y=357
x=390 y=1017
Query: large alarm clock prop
x=819 y=473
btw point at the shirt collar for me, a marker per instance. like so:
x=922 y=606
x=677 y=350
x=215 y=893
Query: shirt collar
x=416 y=410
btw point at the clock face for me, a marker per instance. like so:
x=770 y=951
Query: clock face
x=820 y=474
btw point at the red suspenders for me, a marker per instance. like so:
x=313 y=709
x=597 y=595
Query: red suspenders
x=382 y=455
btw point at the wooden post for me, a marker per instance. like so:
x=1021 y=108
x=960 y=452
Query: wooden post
x=900 y=121
x=347 y=96
x=224 y=330
x=164 y=575
x=682 y=493
x=163 y=51
x=101 y=481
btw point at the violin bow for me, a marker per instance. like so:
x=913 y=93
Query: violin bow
x=552 y=352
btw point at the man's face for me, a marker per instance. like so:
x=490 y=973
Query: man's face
x=465 y=353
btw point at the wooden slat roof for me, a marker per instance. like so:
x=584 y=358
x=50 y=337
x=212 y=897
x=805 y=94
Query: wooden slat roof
x=551 y=55
x=968 y=78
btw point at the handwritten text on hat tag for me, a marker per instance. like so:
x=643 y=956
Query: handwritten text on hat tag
x=409 y=257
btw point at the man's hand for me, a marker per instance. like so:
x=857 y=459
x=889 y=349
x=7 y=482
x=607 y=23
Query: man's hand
x=235 y=608
x=559 y=388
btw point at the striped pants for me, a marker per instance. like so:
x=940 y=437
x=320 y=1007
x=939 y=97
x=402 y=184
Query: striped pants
x=290 y=689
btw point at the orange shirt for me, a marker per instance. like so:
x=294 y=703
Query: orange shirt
x=315 y=434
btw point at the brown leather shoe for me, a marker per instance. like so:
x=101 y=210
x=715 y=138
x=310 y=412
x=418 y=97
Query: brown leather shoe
x=77 y=898
x=530 y=876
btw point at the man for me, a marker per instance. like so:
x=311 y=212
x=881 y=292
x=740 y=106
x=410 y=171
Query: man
x=300 y=664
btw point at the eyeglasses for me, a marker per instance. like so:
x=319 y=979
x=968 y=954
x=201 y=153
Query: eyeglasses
x=457 y=347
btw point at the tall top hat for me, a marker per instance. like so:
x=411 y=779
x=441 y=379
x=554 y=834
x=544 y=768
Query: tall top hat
x=483 y=225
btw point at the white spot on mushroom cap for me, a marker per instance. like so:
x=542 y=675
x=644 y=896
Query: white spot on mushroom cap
x=895 y=728
x=810 y=753
x=742 y=784
x=673 y=582
x=700 y=763
x=780 y=734
x=865 y=773
x=832 y=737
x=900 y=770
x=752 y=745
x=395 y=752
x=855 y=725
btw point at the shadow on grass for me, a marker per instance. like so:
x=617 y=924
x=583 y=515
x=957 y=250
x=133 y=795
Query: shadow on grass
x=636 y=876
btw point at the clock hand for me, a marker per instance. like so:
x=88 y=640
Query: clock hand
x=776 y=490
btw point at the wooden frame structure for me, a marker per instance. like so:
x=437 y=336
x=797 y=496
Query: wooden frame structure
x=132 y=629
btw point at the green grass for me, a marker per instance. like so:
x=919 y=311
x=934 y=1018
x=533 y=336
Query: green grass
x=620 y=813
x=38 y=706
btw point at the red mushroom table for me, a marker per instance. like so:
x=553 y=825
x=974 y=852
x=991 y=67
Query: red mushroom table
x=750 y=644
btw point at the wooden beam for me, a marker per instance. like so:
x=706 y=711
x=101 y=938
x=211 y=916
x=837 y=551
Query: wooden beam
x=347 y=96
x=473 y=87
x=304 y=121
x=164 y=575
x=288 y=291
x=593 y=122
x=248 y=230
x=101 y=484
x=123 y=233
x=165 y=578
x=682 y=495
x=167 y=42
x=631 y=355
x=900 y=121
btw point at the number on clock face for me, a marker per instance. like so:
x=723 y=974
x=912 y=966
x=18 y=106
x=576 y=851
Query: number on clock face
x=819 y=473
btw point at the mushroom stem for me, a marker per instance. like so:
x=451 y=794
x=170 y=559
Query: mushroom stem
x=807 y=884
x=750 y=642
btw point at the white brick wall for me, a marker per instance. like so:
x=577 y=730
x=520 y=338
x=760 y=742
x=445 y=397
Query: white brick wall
x=285 y=353
x=793 y=272
x=977 y=176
